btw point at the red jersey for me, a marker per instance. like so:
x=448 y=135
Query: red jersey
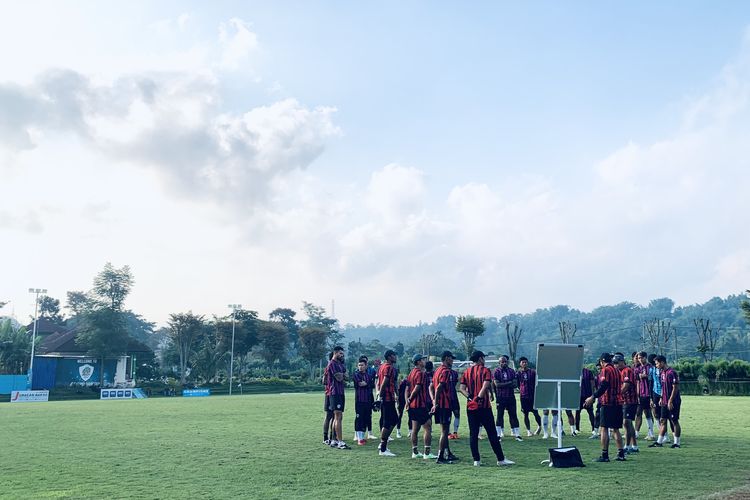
x=628 y=396
x=609 y=374
x=474 y=378
x=442 y=376
x=417 y=378
x=387 y=393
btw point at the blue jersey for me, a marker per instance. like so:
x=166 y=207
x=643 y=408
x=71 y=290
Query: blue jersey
x=655 y=375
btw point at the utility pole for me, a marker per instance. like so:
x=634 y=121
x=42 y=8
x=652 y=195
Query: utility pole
x=234 y=308
x=36 y=292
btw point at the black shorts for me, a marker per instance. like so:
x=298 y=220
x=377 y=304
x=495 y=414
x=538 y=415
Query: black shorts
x=644 y=402
x=336 y=403
x=443 y=416
x=611 y=416
x=629 y=410
x=389 y=415
x=527 y=404
x=655 y=398
x=326 y=403
x=455 y=405
x=419 y=415
x=673 y=414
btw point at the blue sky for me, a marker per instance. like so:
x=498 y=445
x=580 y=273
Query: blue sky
x=481 y=158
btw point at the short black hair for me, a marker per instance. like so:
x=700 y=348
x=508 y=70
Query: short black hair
x=651 y=358
x=428 y=366
x=362 y=359
x=661 y=358
x=643 y=354
x=505 y=356
x=523 y=358
x=338 y=348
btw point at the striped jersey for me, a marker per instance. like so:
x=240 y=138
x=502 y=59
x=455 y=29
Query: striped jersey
x=668 y=380
x=610 y=396
x=502 y=375
x=474 y=378
x=333 y=386
x=642 y=383
x=526 y=383
x=442 y=376
x=387 y=393
x=417 y=378
x=362 y=394
x=627 y=396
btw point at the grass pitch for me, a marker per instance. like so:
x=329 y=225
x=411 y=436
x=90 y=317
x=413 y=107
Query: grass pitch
x=270 y=446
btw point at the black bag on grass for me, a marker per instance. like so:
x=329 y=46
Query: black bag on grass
x=565 y=457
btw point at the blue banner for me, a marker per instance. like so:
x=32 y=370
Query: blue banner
x=195 y=393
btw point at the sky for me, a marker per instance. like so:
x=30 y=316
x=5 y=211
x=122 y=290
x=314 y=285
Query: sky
x=404 y=159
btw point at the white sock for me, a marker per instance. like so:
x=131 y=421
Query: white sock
x=660 y=439
x=499 y=430
x=650 y=423
x=455 y=425
x=516 y=431
x=677 y=440
x=554 y=423
x=545 y=422
x=572 y=429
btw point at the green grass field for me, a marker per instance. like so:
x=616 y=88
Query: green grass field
x=270 y=446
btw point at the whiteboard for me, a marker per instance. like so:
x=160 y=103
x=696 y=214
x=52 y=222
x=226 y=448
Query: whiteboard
x=558 y=362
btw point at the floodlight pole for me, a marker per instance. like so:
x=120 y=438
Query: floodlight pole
x=234 y=308
x=36 y=292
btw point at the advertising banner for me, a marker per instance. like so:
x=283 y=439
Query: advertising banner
x=117 y=394
x=195 y=393
x=28 y=396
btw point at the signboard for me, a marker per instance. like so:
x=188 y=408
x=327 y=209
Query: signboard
x=116 y=394
x=195 y=393
x=28 y=396
x=558 y=364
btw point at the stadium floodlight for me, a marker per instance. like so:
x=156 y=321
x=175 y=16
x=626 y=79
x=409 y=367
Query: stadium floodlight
x=36 y=292
x=234 y=308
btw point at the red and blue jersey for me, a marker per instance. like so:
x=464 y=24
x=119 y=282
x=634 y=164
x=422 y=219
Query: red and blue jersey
x=669 y=379
x=586 y=378
x=334 y=387
x=642 y=383
x=526 y=383
x=503 y=375
x=362 y=394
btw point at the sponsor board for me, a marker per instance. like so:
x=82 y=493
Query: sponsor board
x=28 y=396
x=195 y=393
x=116 y=394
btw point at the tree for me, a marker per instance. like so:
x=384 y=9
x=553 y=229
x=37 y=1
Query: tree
x=513 y=338
x=274 y=341
x=567 y=331
x=113 y=285
x=104 y=328
x=658 y=333
x=77 y=302
x=49 y=308
x=285 y=316
x=428 y=340
x=312 y=345
x=745 y=305
x=184 y=329
x=316 y=316
x=707 y=338
x=15 y=349
x=471 y=328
